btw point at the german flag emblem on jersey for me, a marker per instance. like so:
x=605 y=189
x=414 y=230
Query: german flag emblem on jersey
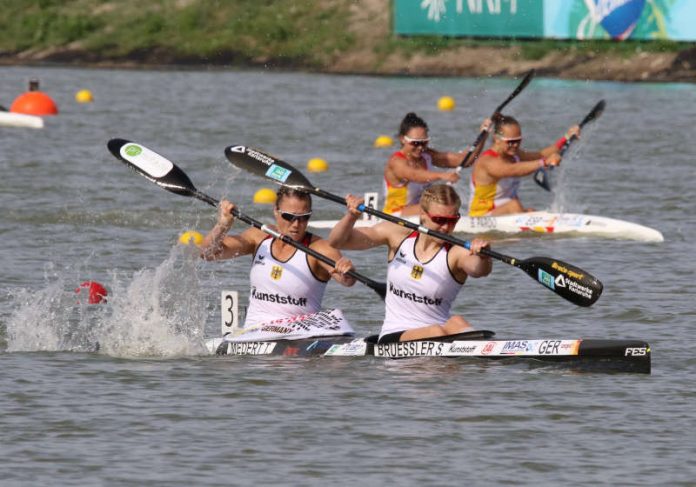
x=276 y=272
x=417 y=272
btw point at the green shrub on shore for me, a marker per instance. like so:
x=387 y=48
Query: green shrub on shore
x=303 y=31
x=297 y=33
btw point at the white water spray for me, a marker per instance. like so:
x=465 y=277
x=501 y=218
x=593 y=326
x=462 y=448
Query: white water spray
x=156 y=313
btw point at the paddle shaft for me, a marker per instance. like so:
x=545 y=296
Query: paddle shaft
x=541 y=175
x=414 y=226
x=378 y=287
x=594 y=113
x=169 y=176
x=482 y=134
x=566 y=280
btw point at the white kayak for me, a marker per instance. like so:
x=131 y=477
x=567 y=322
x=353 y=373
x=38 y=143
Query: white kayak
x=539 y=222
x=9 y=119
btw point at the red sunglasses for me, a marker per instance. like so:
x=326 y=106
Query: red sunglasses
x=444 y=219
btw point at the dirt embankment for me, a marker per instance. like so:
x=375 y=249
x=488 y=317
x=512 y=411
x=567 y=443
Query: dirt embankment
x=370 y=24
x=373 y=51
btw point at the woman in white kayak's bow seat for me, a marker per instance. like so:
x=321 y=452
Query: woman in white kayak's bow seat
x=285 y=282
x=424 y=274
x=410 y=169
x=495 y=177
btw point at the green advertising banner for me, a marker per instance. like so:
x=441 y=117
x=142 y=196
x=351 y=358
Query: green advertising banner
x=621 y=19
x=474 y=18
x=560 y=19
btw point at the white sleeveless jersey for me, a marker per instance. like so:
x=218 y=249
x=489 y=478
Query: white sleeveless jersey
x=281 y=289
x=418 y=293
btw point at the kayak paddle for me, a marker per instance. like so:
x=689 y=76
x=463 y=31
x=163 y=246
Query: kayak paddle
x=566 y=280
x=167 y=175
x=541 y=176
x=523 y=84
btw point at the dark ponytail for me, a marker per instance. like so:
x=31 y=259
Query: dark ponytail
x=410 y=121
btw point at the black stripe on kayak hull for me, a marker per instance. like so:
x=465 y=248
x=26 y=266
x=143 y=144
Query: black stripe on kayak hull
x=593 y=355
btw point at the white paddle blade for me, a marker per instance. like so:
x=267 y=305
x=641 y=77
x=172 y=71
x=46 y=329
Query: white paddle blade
x=149 y=162
x=154 y=167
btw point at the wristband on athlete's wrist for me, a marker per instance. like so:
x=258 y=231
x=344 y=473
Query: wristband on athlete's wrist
x=542 y=162
x=561 y=142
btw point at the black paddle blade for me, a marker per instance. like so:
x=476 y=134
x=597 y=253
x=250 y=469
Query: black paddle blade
x=566 y=280
x=267 y=166
x=528 y=77
x=152 y=166
x=594 y=113
x=543 y=178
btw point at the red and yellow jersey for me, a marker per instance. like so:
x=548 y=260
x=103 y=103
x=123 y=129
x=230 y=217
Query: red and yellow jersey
x=406 y=192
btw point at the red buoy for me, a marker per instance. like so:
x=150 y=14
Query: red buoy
x=34 y=103
x=97 y=292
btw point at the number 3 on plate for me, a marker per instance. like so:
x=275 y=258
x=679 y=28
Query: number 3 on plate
x=229 y=311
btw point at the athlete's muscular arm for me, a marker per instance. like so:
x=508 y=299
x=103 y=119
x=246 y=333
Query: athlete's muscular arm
x=499 y=168
x=337 y=272
x=399 y=170
x=555 y=148
x=217 y=245
x=447 y=159
x=455 y=159
x=345 y=236
x=470 y=262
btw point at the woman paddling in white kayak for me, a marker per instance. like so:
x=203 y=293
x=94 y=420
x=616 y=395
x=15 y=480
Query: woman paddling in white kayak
x=495 y=177
x=410 y=169
x=424 y=274
x=285 y=283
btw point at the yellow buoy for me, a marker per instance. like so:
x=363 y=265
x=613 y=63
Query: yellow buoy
x=84 y=96
x=383 y=141
x=265 y=196
x=317 y=165
x=446 y=103
x=191 y=237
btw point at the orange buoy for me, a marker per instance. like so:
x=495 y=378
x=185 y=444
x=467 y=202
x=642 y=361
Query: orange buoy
x=34 y=103
x=97 y=292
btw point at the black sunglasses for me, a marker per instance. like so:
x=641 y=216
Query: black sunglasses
x=291 y=217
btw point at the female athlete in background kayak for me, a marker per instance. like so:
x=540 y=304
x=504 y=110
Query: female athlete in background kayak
x=495 y=177
x=409 y=170
x=285 y=282
x=424 y=273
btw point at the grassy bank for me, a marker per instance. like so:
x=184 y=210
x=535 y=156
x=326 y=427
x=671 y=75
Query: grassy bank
x=326 y=35
x=200 y=31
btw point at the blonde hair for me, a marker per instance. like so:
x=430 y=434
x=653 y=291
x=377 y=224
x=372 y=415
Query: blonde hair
x=286 y=192
x=440 y=193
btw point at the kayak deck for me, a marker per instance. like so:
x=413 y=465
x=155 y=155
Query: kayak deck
x=9 y=119
x=540 y=223
x=598 y=355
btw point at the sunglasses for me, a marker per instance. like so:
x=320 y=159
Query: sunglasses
x=510 y=140
x=417 y=142
x=444 y=219
x=291 y=217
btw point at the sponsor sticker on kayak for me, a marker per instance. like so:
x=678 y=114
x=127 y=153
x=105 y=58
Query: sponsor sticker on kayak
x=510 y=348
x=356 y=348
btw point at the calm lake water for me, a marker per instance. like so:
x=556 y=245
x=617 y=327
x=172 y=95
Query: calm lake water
x=151 y=409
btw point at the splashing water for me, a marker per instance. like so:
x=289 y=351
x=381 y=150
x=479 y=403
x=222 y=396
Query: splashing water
x=157 y=313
